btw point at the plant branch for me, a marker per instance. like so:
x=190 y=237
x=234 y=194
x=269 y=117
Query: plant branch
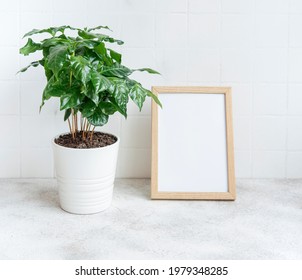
x=69 y=126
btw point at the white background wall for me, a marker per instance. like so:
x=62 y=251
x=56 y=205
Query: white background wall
x=255 y=46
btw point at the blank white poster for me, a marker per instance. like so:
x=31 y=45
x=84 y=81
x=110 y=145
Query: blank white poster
x=192 y=148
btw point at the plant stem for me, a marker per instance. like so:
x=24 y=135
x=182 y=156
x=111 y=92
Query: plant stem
x=87 y=125
x=76 y=122
x=72 y=124
x=91 y=134
x=70 y=78
x=70 y=75
x=81 y=122
x=83 y=129
x=69 y=126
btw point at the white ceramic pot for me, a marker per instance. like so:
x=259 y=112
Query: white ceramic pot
x=85 y=177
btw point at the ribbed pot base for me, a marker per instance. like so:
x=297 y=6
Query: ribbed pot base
x=85 y=210
x=85 y=196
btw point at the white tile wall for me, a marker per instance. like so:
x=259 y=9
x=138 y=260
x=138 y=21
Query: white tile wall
x=9 y=163
x=295 y=60
x=10 y=36
x=204 y=31
x=242 y=132
x=244 y=169
x=10 y=132
x=270 y=99
x=270 y=65
x=271 y=30
x=9 y=98
x=9 y=63
x=294 y=163
x=171 y=30
x=294 y=142
x=131 y=136
x=37 y=162
x=242 y=99
x=142 y=26
x=269 y=133
x=295 y=99
x=268 y=164
x=174 y=69
x=236 y=65
x=295 y=6
x=33 y=6
x=171 y=6
x=236 y=30
x=255 y=46
x=134 y=163
x=129 y=6
x=237 y=6
x=203 y=6
x=272 y=6
x=295 y=38
x=203 y=65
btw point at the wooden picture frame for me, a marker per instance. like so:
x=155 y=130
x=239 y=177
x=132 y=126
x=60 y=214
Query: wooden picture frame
x=203 y=116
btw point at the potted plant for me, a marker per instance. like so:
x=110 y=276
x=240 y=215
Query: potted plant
x=89 y=79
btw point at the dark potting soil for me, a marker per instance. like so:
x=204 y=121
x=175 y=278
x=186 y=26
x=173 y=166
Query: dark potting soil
x=99 y=139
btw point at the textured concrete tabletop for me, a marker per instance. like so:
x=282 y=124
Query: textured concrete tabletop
x=265 y=222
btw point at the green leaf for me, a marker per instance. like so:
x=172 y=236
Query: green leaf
x=123 y=111
x=38 y=31
x=57 y=58
x=48 y=73
x=112 y=40
x=86 y=35
x=101 y=51
x=67 y=114
x=51 y=30
x=92 y=95
x=98 y=118
x=53 y=89
x=120 y=94
x=116 y=70
x=89 y=35
x=116 y=56
x=100 y=82
x=149 y=70
x=108 y=108
x=90 y=44
x=88 y=108
x=30 y=47
x=100 y=37
x=138 y=95
x=54 y=41
x=70 y=100
x=99 y=27
x=81 y=69
x=33 y=64
x=154 y=97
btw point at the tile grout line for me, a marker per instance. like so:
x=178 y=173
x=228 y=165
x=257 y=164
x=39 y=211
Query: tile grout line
x=252 y=84
x=220 y=42
x=19 y=97
x=52 y=20
x=187 y=43
x=287 y=94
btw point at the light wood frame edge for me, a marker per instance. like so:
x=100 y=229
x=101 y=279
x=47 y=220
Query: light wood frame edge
x=231 y=193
